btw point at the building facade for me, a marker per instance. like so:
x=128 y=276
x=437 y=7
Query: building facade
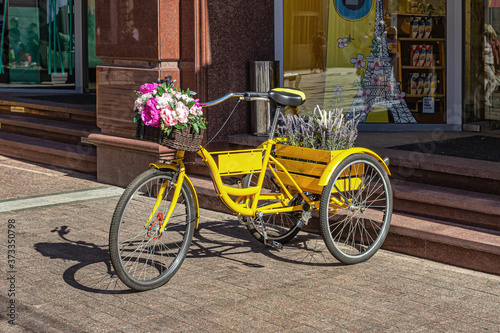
x=393 y=65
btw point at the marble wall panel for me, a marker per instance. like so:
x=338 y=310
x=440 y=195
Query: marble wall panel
x=116 y=96
x=237 y=33
x=138 y=29
x=169 y=29
x=127 y=29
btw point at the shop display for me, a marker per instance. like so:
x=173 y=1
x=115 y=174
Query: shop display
x=420 y=63
x=423 y=84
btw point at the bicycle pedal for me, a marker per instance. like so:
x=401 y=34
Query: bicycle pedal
x=274 y=244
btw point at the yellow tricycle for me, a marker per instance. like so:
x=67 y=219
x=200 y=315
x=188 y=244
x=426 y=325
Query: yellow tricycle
x=282 y=188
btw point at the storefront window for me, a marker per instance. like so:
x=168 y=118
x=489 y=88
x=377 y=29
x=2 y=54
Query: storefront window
x=482 y=61
x=37 y=48
x=380 y=61
x=93 y=60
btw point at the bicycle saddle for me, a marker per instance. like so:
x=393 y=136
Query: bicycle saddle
x=288 y=96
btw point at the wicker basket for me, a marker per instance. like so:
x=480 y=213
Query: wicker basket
x=184 y=139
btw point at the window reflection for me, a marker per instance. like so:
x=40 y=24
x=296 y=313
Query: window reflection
x=482 y=61
x=358 y=55
x=37 y=46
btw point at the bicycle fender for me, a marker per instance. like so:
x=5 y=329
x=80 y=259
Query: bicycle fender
x=173 y=167
x=327 y=173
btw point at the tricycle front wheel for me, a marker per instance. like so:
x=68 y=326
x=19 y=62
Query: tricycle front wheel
x=356 y=209
x=142 y=256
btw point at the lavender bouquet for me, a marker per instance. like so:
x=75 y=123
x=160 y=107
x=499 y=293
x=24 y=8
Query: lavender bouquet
x=325 y=130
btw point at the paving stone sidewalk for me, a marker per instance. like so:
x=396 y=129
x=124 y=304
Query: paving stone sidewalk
x=228 y=283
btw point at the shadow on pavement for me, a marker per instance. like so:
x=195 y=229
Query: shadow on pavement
x=305 y=249
x=93 y=271
x=229 y=240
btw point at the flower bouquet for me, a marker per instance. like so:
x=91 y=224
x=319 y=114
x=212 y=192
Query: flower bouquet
x=324 y=130
x=169 y=116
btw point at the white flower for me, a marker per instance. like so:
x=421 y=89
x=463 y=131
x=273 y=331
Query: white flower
x=164 y=100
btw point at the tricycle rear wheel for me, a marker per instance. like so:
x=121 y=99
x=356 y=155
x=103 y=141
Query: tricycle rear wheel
x=355 y=229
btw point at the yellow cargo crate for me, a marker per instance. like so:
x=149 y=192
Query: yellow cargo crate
x=306 y=166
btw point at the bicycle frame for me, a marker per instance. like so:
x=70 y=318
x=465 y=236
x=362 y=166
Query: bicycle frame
x=243 y=195
x=252 y=161
x=255 y=193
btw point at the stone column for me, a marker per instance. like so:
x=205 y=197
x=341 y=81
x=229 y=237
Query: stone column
x=138 y=41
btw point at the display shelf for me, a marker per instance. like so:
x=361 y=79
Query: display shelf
x=436 y=68
x=436 y=96
x=417 y=14
x=405 y=70
x=411 y=39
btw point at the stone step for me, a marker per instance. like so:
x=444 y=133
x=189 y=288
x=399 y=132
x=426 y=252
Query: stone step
x=452 y=172
x=459 y=206
x=442 y=241
x=454 y=244
x=53 y=112
x=63 y=155
x=46 y=129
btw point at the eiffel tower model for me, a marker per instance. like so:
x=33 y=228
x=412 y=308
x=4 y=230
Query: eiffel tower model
x=379 y=86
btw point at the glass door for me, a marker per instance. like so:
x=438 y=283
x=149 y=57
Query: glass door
x=37 y=44
x=482 y=62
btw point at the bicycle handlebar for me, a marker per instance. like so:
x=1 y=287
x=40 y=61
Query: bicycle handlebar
x=247 y=96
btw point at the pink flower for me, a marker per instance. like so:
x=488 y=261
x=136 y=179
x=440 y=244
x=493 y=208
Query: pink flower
x=197 y=110
x=358 y=62
x=138 y=106
x=182 y=112
x=151 y=115
x=364 y=93
x=377 y=64
x=342 y=42
x=167 y=116
x=390 y=87
x=148 y=87
x=338 y=90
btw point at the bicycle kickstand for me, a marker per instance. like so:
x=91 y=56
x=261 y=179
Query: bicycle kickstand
x=269 y=242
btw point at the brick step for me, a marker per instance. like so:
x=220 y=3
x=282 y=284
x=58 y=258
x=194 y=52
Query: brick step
x=74 y=157
x=452 y=172
x=46 y=129
x=61 y=113
x=459 y=206
x=442 y=241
